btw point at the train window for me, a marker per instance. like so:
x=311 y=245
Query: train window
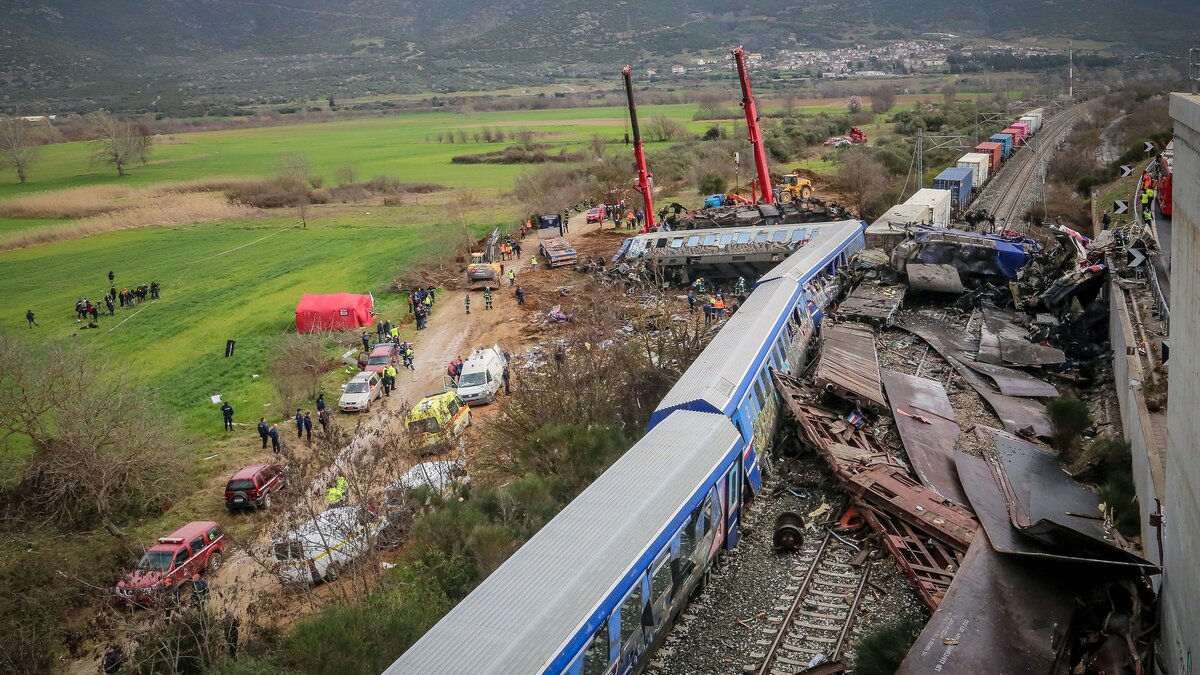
x=595 y=659
x=743 y=238
x=661 y=580
x=710 y=239
x=759 y=390
x=631 y=611
x=780 y=235
x=676 y=243
x=693 y=240
x=660 y=243
x=734 y=488
x=687 y=536
x=798 y=234
x=726 y=239
x=761 y=238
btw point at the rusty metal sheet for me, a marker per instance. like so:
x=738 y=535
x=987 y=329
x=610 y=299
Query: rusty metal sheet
x=891 y=490
x=925 y=420
x=1012 y=341
x=1017 y=414
x=1013 y=382
x=1047 y=504
x=1022 y=352
x=849 y=365
x=873 y=303
x=1001 y=615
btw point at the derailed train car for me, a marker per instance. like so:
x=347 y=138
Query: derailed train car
x=950 y=261
x=598 y=588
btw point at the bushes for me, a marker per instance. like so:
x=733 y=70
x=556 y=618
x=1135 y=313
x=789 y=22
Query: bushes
x=1069 y=417
x=1108 y=462
x=711 y=184
x=881 y=651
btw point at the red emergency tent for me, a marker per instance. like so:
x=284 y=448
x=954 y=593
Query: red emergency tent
x=335 y=311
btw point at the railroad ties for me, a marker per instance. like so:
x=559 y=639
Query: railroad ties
x=812 y=622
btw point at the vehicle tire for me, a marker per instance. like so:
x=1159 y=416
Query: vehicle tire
x=266 y=501
x=214 y=562
x=785 y=196
x=331 y=573
x=806 y=193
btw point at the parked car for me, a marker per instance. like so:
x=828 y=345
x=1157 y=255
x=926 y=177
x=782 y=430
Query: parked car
x=193 y=549
x=438 y=476
x=360 y=391
x=594 y=215
x=482 y=376
x=250 y=487
x=383 y=355
x=319 y=549
x=438 y=418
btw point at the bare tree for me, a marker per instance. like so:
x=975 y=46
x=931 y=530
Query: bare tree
x=299 y=363
x=294 y=173
x=598 y=144
x=19 y=146
x=949 y=95
x=883 y=98
x=854 y=104
x=345 y=175
x=663 y=129
x=101 y=453
x=863 y=178
x=116 y=141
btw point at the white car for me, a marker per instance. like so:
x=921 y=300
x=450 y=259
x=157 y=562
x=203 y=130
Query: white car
x=320 y=548
x=438 y=476
x=360 y=391
x=482 y=376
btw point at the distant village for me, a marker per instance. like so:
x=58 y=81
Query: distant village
x=893 y=59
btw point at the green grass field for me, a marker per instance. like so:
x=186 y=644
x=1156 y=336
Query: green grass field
x=238 y=281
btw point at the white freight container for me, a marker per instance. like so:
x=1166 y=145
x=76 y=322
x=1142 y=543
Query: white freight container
x=936 y=203
x=978 y=163
x=1035 y=121
x=881 y=234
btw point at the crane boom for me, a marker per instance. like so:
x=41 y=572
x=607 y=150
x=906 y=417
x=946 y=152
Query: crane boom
x=756 y=141
x=639 y=153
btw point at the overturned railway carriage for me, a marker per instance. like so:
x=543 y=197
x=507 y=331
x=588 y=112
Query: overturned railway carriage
x=597 y=589
x=772 y=330
x=757 y=215
x=722 y=253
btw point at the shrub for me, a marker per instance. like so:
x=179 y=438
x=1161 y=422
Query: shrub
x=712 y=183
x=1069 y=417
x=881 y=651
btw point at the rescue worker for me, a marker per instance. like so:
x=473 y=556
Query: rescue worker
x=389 y=379
x=520 y=297
x=337 y=492
x=320 y=403
x=487 y=298
x=719 y=307
x=739 y=288
x=512 y=278
x=1147 y=215
x=533 y=263
x=366 y=340
x=1106 y=220
x=691 y=298
x=299 y=424
x=263 y=431
x=273 y=432
x=323 y=419
x=467 y=302
x=409 y=357
x=30 y=319
x=308 y=427
x=227 y=413
x=395 y=334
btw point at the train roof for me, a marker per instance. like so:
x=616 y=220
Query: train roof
x=718 y=376
x=523 y=615
x=636 y=246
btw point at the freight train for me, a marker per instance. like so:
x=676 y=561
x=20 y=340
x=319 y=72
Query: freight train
x=597 y=589
x=954 y=188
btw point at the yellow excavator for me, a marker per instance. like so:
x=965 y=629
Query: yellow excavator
x=484 y=268
x=795 y=188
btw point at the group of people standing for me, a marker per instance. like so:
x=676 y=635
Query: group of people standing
x=711 y=301
x=420 y=304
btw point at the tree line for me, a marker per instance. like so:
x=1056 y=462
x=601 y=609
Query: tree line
x=115 y=141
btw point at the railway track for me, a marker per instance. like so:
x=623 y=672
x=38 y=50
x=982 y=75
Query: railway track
x=1006 y=206
x=816 y=619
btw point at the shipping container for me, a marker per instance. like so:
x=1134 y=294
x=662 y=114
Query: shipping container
x=936 y=204
x=1026 y=130
x=888 y=230
x=1018 y=136
x=995 y=153
x=1039 y=115
x=978 y=163
x=957 y=180
x=1005 y=140
x=1035 y=122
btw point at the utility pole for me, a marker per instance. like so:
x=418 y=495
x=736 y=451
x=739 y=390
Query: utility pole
x=1194 y=68
x=1071 y=69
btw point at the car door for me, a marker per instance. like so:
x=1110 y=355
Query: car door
x=373 y=385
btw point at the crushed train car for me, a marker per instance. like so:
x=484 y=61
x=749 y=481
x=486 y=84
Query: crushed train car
x=952 y=261
x=811 y=210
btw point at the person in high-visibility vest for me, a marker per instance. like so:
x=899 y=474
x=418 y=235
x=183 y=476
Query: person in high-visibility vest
x=533 y=263
x=337 y=493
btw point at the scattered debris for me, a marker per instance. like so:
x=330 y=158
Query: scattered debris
x=929 y=438
x=849 y=366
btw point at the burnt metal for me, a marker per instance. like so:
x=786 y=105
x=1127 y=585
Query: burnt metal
x=1022 y=352
x=1005 y=341
x=925 y=421
x=1011 y=382
x=929 y=564
x=849 y=366
x=1042 y=502
x=874 y=303
x=789 y=532
x=1000 y=611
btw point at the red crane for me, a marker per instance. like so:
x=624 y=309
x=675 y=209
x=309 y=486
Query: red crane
x=756 y=141
x=639 y=154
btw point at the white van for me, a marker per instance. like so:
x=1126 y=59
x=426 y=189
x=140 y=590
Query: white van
x=319 y=549
x=482 y=376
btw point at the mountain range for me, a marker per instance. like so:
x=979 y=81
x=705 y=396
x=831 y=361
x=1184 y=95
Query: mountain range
x=93 y=50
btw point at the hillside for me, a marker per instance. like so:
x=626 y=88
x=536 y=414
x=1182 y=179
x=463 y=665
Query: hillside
x=132 y=52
